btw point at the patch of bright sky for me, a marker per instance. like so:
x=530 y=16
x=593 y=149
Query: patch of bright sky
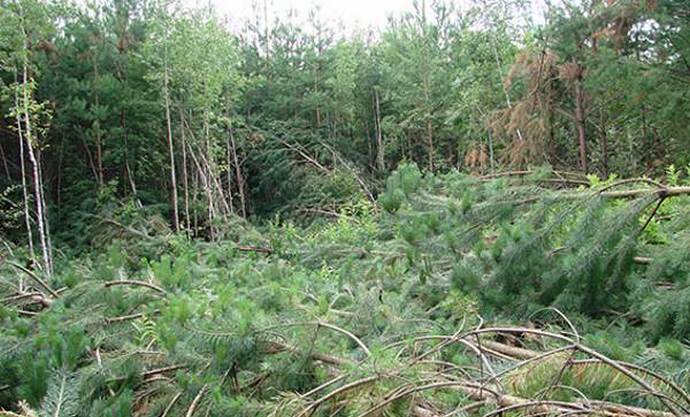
x=351 y=13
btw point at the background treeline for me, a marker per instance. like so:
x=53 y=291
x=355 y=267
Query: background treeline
x=168 y=109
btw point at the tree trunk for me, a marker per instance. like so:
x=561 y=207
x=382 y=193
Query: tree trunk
x=209 y=173
x=604 y=147
x=430 y=142
x=185 y=177
x=380 y=151
x=99 y=161
x=25 y=189
x=38 y=195
x=4 y=161
x=206 y=184
x=171 y=148
x=238 y=175
x=228 y=172
x=215 y=182
x=46 y=223
x=89 y=157
x=58 y=179
x=99 y=146
x=580 y=122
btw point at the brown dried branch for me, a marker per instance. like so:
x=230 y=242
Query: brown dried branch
x=135 y=283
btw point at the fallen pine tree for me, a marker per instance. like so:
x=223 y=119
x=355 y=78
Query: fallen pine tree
x=373 y=313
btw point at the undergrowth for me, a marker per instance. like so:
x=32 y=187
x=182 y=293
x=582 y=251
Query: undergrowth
x=452 y=294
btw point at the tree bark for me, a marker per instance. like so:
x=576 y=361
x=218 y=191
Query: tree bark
x=185 y=177
x=38 y=195
x=580 y=122
x=99 y=146
x=380 y=151
x=25 y=189
x=46 y=223
x=228 y=173
x=604 y=147
x=209 y=173
x=430 y=141
x=171 y=148
x=238 y=175
x=4 y=161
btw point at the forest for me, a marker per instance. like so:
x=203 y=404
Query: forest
x=478 y=209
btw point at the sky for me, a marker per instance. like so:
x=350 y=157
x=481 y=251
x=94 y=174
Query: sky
x=352 y=13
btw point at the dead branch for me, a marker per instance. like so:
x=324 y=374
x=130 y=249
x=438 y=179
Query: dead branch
x=196 y=401
x=171 y=404
x=135 y=283
x=267 y=251
x=34 y=277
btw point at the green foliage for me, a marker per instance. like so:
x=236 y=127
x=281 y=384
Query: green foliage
x=247 y=329
x=293 y=260
x=61 y=399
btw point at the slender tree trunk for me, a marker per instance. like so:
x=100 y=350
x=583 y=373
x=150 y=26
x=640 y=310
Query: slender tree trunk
x=228 y=171
x=89 y=158
x=171 y=148
x=99 y=146
x=38 y=195
x=429 y=127
x=128 y=173
x=46 y=223
x=580 y=122
x=430 y=142
x=58 y=179
x=491 y=151
x=206 y=184
x=371 y=145
x=646 y=140
x=604 y=145
x=318 y=108
x=209 y=173
x=195 y=198
x=238 y=175
x=4 y=161
x=25 y=188
x=185 y=177
x=215 y=182
x=380 y=151
x=267 y=33
x=99 y=161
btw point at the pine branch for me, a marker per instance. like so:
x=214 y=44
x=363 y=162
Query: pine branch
x=62 y=399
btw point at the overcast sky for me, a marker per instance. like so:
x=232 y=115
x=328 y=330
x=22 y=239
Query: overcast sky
x=353 y=13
